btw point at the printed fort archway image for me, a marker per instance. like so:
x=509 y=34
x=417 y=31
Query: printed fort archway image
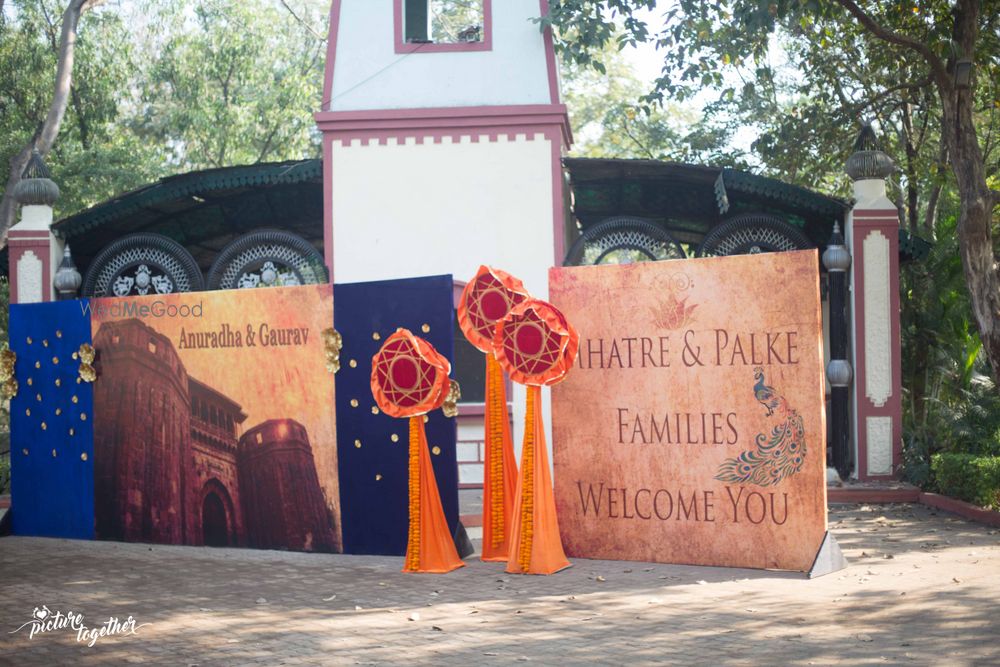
x=216 y=515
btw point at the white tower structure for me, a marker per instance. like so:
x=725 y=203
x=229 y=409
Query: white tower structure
x=442 y=142
x=442 y=139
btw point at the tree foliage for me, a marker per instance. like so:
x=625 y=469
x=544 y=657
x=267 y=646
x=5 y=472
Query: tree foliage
x=235 y=82
x=803 y=75
x=611 y=119
x=898 y=62
x=162 y=86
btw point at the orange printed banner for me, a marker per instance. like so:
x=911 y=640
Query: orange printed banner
x=692 y=429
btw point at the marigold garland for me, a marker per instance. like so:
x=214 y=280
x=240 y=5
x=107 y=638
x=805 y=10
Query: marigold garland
x=528 y=483
x=494 y=377
x=413 y=537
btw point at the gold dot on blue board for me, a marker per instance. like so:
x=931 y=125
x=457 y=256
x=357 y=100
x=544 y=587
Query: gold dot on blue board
x=71 y=431
x=53 y=453
x=83 y=457
x=375 y=410
x=39 y=397
x=378 y=477
x=27 y=411
x=435 y=450
x=44 y=426
x=83 y=416
x=45 y=343
x=376 y=336
x=58 y=411
x=58 y=382
x=426 y=328
x=75 y=399
x=30 y=382
x=55 y=360
x=25 y=451
x=74 y=355
x=38 y=364
x=357 y=443
x=394 y=437
x=58 y=333
x=29 y=340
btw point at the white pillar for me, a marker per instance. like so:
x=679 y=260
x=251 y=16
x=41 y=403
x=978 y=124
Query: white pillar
x=34 y=251
x=873 y=236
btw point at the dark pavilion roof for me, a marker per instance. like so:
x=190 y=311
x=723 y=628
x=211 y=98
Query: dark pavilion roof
x=204 y=210
x=691 y=199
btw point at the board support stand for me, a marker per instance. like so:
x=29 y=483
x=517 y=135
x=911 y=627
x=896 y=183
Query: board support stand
x=829 y=558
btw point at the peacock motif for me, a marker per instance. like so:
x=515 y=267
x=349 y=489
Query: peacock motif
x=765 y=395
x=777 y=455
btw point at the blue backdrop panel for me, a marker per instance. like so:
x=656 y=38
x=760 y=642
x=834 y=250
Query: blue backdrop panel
x=51 y=422
x=372 y=448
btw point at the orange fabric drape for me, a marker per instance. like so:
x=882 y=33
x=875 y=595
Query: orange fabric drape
x=535 y=546
x=429 y=546
x=500 y=478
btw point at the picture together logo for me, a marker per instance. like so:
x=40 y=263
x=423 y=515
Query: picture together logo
x=45 y=620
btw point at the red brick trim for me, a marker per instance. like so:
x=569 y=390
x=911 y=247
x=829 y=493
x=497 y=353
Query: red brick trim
x=961 y=508
x=867 y=495
x=878 y=496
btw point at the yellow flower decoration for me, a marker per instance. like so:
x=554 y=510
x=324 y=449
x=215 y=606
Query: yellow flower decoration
x=450 y=407
x=7 y=359
x=87 y=353
x=333 y=343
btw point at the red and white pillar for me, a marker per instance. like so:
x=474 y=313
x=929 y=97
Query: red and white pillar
x=34 y=251
x=873 y=237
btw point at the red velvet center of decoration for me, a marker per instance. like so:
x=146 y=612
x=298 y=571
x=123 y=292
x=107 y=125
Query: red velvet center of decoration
x=404 y=373
x=529 y=339
x=493 y=305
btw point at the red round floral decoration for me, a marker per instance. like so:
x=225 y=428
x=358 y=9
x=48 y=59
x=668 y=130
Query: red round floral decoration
x=409 y=377
x=486 y=300
x=535 y=344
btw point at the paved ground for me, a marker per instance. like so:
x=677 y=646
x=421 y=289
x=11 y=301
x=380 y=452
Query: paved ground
x=923 y=589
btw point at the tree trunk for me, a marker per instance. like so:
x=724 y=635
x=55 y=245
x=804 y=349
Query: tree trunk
x=912 y=201
x=46 y=134
x=977 y=200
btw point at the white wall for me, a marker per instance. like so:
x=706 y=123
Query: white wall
x=405 y=210
x=424 y=209
x=369 y=74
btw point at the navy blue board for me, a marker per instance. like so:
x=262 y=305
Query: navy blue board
x=51 y=422
x=372 y=448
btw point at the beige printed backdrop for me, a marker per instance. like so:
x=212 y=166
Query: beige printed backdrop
x=269 y=382
x=684 y=387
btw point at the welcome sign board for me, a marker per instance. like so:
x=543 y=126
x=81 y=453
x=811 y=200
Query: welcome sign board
x=692 y=429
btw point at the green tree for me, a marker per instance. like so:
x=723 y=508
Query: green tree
x=611 y=119
x=903 y=62
x=43 y=38
x=146 y=96
x=235 y=82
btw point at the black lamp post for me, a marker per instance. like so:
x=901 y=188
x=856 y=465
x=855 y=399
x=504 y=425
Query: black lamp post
x=837 y=260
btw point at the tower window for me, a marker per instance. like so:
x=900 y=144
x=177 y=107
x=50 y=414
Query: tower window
x=445 y=21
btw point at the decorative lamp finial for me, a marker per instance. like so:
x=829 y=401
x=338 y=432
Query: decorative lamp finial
x=67 y=280
x=36 y=187
x=836 y=256
x=868 y=160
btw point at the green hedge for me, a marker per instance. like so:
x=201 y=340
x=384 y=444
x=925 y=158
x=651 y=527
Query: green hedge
x=975 y=479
